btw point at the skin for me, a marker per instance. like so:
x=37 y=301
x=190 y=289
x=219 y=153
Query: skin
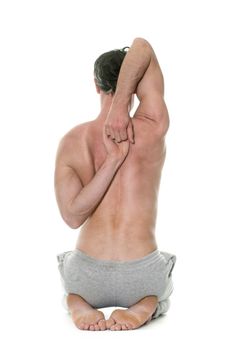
x=108 y=186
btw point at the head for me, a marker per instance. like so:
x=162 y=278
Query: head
x=106 y=71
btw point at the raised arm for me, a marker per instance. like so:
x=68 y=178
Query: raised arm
x=134 y=66
x=141 y=74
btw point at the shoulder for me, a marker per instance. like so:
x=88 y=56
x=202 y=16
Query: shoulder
x=71 y=141
x=75 y=135
x=77 y=132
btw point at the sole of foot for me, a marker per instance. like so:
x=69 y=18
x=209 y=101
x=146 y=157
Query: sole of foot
x=127 y=320
x=91 y=319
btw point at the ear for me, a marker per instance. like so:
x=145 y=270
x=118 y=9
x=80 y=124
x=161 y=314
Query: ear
x=97 y=87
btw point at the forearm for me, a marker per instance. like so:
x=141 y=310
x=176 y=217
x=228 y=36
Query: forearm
x=132 y=70
x=90 y=196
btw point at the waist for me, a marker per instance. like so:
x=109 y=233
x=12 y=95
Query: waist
x=116 y=245
x=146 y=258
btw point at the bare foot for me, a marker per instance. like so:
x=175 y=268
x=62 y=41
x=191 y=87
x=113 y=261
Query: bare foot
x=93 y=320
x=133 y=317
x=84 y=316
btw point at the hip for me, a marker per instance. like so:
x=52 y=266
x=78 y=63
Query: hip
x=117 y=247
x=109 y=280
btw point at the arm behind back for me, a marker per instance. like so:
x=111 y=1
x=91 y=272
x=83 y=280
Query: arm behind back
x=67 y=183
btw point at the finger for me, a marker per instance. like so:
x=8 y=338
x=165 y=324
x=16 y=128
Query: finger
x=107 y=130
x=123 y=135
x=130 y=132
x=112 y=134
x=104 y=133
x=117 y=136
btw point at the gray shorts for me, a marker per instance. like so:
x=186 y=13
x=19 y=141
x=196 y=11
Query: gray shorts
x=105 y=283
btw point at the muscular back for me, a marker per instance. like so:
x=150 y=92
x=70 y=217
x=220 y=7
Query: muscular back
x=127 y=212
x=122 y=226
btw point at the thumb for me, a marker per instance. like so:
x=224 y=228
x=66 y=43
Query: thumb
x=130 y=132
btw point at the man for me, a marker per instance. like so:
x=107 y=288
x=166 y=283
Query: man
x=107 y=177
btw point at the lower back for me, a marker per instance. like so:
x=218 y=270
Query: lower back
x=122 y=227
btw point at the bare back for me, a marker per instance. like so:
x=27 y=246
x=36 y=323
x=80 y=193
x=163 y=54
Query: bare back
x=122 y=227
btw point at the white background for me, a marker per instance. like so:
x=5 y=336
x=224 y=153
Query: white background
x=46 y=87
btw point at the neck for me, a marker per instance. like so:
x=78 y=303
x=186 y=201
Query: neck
x=106 y=101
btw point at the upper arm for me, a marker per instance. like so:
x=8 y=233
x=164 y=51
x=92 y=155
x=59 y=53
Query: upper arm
x=150 y=92
x=67 y=184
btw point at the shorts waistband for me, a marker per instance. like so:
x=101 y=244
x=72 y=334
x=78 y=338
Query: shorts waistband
x=153 y=256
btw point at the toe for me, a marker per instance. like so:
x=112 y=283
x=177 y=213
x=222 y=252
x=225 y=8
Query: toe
x=116 y=327
x=86 y=326
x=109 y=323
x=129 y=326
x=97 y=328
x=124 y=327
x=92 y=328
x=102 y=325
x=82 y=325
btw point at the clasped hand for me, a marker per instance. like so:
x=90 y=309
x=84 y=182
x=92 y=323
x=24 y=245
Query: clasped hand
x=118 y=125
x=118 y=133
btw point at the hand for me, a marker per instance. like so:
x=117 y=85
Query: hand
x=118 y=125
x=114 y=149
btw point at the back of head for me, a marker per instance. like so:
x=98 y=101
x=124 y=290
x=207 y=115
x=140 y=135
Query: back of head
x=106 y=69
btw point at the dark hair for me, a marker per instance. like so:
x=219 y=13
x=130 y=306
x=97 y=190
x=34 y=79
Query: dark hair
x=107 y=67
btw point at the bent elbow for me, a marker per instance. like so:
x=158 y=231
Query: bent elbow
x=141 y=40
x=162 y=123
x=72 y=223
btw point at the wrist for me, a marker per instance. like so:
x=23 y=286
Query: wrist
x=121 y=101
x=114 y=160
